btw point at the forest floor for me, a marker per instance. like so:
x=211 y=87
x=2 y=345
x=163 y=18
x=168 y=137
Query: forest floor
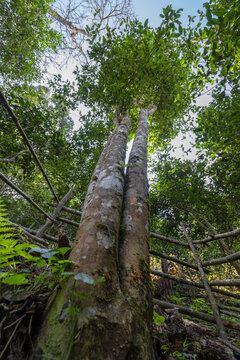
x=184 y=337
x=175 y=337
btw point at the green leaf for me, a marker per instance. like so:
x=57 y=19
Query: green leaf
x=85 y=278
x=157 y=318
x=18 y=279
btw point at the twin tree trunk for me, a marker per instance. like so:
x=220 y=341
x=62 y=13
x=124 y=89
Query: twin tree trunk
x=105 y=312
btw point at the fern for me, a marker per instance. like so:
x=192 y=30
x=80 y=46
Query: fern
x=18 y=265
x=10 y=251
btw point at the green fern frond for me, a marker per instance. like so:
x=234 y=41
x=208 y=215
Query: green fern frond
x=6 y=230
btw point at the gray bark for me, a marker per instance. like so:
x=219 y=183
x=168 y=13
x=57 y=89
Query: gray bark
x=100 y=326
x=134 y=245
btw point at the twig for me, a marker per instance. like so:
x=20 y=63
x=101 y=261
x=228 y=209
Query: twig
x=8 y=326
x=12 y=335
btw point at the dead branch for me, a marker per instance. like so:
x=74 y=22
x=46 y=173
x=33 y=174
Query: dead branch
x=196 y=314
x=212 y=300
x=198 y=285
x=228 y=313
x=25 y=138
x=235 y=232
x=226 y=282
x=231 y=308
x=28 y=234
x=67 y=221
x=67 y=209
x=171 y=240
x=171 y=258
x=8 y=182
x=55 y=214
x=228 y=344
x=222 y=260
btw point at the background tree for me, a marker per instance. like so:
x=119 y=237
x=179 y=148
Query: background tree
x=26 y=35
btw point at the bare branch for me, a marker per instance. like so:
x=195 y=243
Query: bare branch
x=235 y=232
x=197 y=314
x=26 y=141
x=192 y=283
x=77 y=15
x=67 y=23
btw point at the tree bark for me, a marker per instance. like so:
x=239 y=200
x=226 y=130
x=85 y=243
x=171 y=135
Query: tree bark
x=134 y=245
x=92 y=320
x=112 y=319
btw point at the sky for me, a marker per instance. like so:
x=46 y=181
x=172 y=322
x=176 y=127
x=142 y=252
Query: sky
x=152 y=8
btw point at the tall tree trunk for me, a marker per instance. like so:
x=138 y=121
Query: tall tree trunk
x=134 y=245
x=93 y=319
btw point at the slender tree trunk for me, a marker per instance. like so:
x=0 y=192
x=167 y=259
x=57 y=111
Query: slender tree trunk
x=91 y=320
x=134 y=245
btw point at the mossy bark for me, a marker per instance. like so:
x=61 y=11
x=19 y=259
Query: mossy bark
x=93 y=316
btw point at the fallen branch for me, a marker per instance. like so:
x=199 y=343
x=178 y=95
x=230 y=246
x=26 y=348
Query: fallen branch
x=67 y=221
x=230 y=308
x=67 y=209
x=235 y=232
x=227 y=282
x=215 y=309
x=171 y=258
x=228 y=344
x=228 y=313
x=171 y=240
x=222 y=260
x=191 y=283
x=197 y=314
x=55 y=214
x=9 y=183
x=30 y=232
x=27 y=233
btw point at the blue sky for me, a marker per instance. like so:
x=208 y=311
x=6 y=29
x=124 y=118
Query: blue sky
x=152 y=8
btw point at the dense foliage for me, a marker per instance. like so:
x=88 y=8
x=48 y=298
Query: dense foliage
x=26 y=34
